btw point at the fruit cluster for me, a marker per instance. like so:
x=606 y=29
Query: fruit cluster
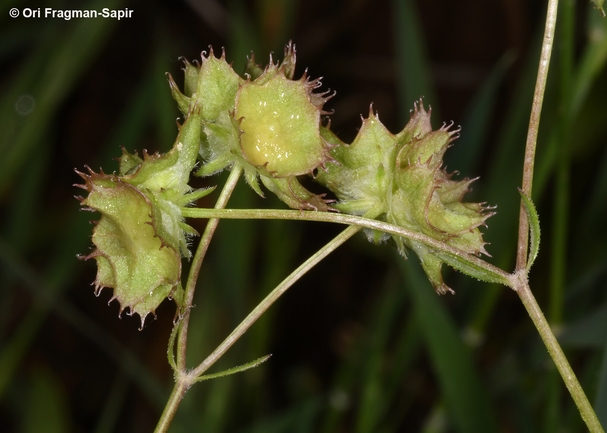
x=270 y=125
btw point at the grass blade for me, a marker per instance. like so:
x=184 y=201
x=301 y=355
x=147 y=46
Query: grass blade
x=465 y=397
x=412 y=61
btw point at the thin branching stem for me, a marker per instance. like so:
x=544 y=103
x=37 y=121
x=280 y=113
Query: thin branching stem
x=273 y=297
x=170 y=409
x=339 y=218
x=517 y=281
x=534 y=124
x=201 y=251
x=521 y=285
x=556 y=353
x=183 y=380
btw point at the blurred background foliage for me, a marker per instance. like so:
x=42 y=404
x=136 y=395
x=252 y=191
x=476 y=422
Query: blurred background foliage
x=362 y=343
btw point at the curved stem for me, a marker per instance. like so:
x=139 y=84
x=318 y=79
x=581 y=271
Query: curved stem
x=556 y=353
x=182 y=380
x=534 y=124
x=272 y=297
x=203 y=246
x=517 y=281
x=339 y=218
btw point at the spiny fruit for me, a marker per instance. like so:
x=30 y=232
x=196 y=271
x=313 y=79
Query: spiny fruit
x=280 y=123
x=400 y=179
x=141 y=236
x=268 y=123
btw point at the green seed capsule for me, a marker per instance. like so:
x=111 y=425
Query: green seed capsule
x=280 y=125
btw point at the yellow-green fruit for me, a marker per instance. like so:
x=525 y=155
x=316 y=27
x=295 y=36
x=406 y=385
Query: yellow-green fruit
x=141 y=235
x=132 y=259
x=280 y=125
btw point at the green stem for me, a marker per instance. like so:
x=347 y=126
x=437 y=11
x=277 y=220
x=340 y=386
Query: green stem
x=556 y=353
x=185 y=379
x=273 y=297
x=170 y=409
x=517 y=281
x=339 y=218
x=534 y=124
x=203 y=247
x=182 y=380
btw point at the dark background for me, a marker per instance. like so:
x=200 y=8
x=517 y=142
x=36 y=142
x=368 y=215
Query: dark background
x=361 y=343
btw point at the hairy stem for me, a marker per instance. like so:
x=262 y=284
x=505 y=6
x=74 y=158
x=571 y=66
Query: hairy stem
x=273 y=297
x=175 y=398
x=534 y=124
x=203 y=247
x=517 y=281
x=182 y=380
x=556 y=353
x=363 y=222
